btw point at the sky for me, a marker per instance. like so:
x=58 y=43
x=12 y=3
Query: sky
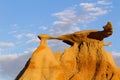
x=21 y=21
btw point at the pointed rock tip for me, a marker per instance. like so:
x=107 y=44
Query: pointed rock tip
x=108 y=26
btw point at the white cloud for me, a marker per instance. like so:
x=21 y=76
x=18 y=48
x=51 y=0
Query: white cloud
x=1 y=50
x=43 y=28
x=7 y=44
x=116 y=56
x=19 y=36
x=83 y=13
x=87 y=5
x=65 y=17
x=67 y=22
x=33 y=40
x=12 y=64
x=92 y=9
x=8 y=56
x=29 y=37
x=104 y=2
x=14 y=29
x=23 y=35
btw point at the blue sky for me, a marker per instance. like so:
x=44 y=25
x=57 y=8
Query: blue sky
x=22 y=20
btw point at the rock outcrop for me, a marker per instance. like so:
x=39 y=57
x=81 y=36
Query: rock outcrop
x=86 y=59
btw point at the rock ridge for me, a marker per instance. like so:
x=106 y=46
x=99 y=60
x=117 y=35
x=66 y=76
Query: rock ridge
x=86 y=59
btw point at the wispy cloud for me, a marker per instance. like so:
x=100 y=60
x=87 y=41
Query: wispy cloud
x=31 y=37
x=70 y=18
x=22 y=35
x=7 y=44
x=12 y=64
x=33 y=40
x=93 y=11
x=8 y=56
x=43 y=27
x=104 y=2
x=83 y=13
x=19 y=36
x=14 y=28
x=116 y=56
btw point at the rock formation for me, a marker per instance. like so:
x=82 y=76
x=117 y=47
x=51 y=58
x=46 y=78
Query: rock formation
x=86 y=59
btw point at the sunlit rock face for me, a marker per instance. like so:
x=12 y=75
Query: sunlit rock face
x=84 y=60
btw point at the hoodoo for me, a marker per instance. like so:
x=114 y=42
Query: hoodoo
x=85 y=59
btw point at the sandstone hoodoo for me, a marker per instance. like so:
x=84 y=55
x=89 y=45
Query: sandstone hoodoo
x=85 y=59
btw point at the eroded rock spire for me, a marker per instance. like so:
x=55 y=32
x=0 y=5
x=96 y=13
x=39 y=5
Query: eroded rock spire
x=44 y=38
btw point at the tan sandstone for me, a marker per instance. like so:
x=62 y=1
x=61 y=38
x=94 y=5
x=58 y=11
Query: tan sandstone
x=86 y=59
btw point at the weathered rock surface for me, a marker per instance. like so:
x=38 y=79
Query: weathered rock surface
x=84 y=60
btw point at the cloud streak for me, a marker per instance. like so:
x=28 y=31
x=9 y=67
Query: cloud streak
x=7 y=44
x=116 y=56
x=31 y=37
x=70 y=18
x=12 y=64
